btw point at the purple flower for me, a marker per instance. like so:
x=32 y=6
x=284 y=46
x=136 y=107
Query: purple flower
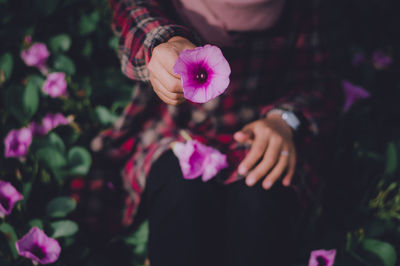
x=49 y=122
x=38 y=247
x=196 y=159
x=36 y=55
x=380 y=60
x=358 y=58
x=204 y=73
x=55 y=85
x=17 y=142
x=353 y=93
x=8 y=197
x=322 y=257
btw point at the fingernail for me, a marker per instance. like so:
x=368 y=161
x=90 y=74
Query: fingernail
x=250 y=181
x=267 y=185
x=242 y=170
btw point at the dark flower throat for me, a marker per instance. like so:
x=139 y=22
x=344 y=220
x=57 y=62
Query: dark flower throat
x=202 y=76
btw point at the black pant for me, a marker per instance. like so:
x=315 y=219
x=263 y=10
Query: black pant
x=196 y=223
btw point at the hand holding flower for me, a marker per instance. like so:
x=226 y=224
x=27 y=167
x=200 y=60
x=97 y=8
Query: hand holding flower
x=272 y=151
x=166 y=84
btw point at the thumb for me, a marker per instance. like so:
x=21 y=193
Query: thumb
x=244 y=135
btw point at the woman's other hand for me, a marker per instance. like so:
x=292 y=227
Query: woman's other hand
x=272 y=151
x=166 y=84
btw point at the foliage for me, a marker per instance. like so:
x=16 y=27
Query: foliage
x=358 y=214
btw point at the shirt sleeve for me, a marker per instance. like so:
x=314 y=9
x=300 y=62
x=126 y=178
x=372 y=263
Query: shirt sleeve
x=313 y=92
x=141 y=25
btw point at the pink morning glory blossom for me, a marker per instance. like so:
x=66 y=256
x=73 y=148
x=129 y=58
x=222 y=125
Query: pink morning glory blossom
x=38 y=247
x=353 y=93
x=196 y=159
x=17 y=142
x=380 y=60
x=49 y=122
x=8 y=197
x=204 y=73
x=36 y=55
x=55 y=85
x=322 y=257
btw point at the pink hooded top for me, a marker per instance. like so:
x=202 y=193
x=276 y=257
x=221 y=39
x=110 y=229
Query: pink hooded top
x=215 y=19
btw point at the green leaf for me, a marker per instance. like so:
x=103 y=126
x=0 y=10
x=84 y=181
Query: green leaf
x=60 y=207
x=22 y=102
x=36 y=222
x=113 y=43
x=51 y=157
x=11 y=237
x=139 y=241
x=88 y=23
x=79 y=161
x=87 y=49
x=6 y=66
x=60 y=43
x=63 y=63
x=105 y=116
x=52 y=140
x=64 y=228
x=383 y=250
x=391 y=158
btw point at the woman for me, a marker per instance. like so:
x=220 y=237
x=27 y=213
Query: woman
x=281 y=98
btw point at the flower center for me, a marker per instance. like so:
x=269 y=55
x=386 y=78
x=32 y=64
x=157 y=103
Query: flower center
x=5 y=202
x=322 y=261
x=38 y=252
x=202 y=76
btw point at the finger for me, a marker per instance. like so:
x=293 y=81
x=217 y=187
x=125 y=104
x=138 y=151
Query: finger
x=168 y=61
x=287 y=179
x=271 y=156
x=277 y=171
x=167 y=93
x=159 y=90
x=257 y=150
x=240 y=136
x=170 y=82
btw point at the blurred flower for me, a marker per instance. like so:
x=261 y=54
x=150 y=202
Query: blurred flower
x=28 y=40
x=322 y=257
x=204 y=73
x=49 y=122
x=358 y=58
x=8 y=197
x=36 y=56
x=196 y=159
x=380 y=60
x=353 y=93
x=55 y=85
x=38 y=247
x=17 y=142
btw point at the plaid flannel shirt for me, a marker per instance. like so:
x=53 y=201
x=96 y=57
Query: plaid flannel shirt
x=286 y=67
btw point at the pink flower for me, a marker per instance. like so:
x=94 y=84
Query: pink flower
x=55 y=85
x=380 y=60
x=17 y=142
x=353 y=93
x=38 y=247
x=204 y=73
x=36 y=55
x=8 y=197
x=49 y=122
x=196 y=159
x=322 y=257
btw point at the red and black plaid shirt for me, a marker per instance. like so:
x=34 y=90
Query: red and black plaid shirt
x=285 y=67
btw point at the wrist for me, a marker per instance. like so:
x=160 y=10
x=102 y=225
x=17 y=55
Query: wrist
x=276 y=120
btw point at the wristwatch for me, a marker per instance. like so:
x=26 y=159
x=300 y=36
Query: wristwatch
x=289 y=117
